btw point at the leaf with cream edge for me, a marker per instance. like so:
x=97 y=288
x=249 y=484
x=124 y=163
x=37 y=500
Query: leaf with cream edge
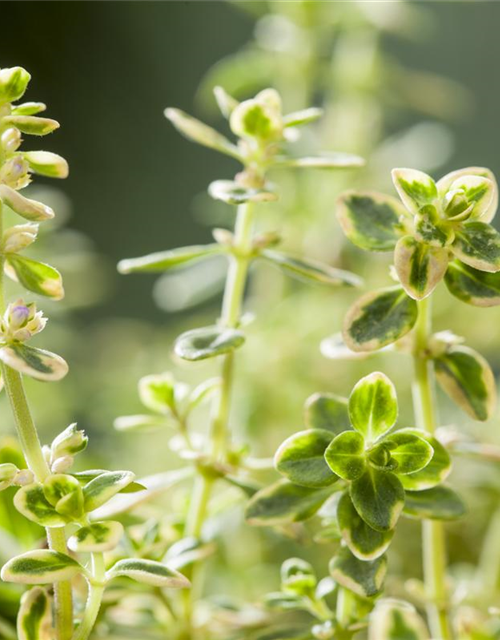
x=327 y=411
x=304 y=116
x=434 y=472
x=415 y=188
x=311 y=271
x=284 y=502
x=396 y=620
x=379 y=318
x=371 y=221
x=30 y=500
x=478 y=193
x=479 y=288
x=378 y=497
x=336 y=160
x=34 y=362
x=438 y=503
x=373 y=406
x=32 y=125
x=34 y=620
x=364 y=578
x=102 y=488
x=26 y=208
x=346 y=455
x=468 y=380
x=301 y=459
x=35 y=276
x=232 y=192
x=478 y=245
x=148 y=572
x=168 y=260
x=207 y=342
x=96 y=537
x=444 y=184
x=409 y=451
x=420 y=267
x=42 y=566
x=363 y=541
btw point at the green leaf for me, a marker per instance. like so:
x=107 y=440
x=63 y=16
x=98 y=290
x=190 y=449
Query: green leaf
x=28 y=108
x=157 y=392
x=141 y=422
x=447 y=181
x=363 y=541
x=34 y=362
x=301 y=459
x=40 y=567
x=311 y=271
x=478 y=245
x=96 y=537
x=469 y=381
x=34 y=620
x=327 y=411
x=396 y=620
x=64 y=494
x=371 y=220
x=84 y=477
x=13 y=83
x=415 y=188
x=187 y=551
x=434 y=472
x=346 y=455
x=102 y=488
x=256 y=119
x=232 y=192
x=208 y=342
x=364 y=578
x=438 y=503
x=373 y=406
x=46 y=163
x=284 y=502
x=201 y=133
x=35 y=276
x=411 y=452
x=332 y=160
x=305 y=116
x=225 y=102
x=29 y=209
x=378 y=497
x=148 y=572
x=432 y=229
x=30 y=500
x=379 y=318
x=420 y=267
x=32 y=125
x=479 y=288
x=167 y=260
x=473 y=192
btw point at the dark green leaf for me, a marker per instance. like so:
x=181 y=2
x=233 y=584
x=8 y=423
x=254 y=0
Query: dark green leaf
x=364 y=578
x=434 y=472
x=478 y=245
x=208 y=342
x=327 y=411
x=301 y=458
x=409 y=451
x=479 y=288
x=311 y=271
x=378 y=497
x=438 y=503
x=373 y=406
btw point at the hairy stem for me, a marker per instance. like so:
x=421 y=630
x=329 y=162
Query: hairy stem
x=32 y=450
x=433 y=537
x=93 y=605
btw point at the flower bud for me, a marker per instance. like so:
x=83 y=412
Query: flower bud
x=15 y=173
x=21 y=321
x=8 y=472
x=255 y=119
x=11 y=140
x=68 y=443
x=13 y=83
x=456 y=204
x=19 y=237
x=47 y=164
x=24 y=477
x=61 y=465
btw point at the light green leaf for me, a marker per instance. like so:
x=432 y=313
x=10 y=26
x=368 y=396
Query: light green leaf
x=284 y=502
x=148 y=572
x=34 y=362
x=141 y=422
x=438 y=503
x=207 y=342
x=84 y=477
x=187 y=551
x=46 y=163
x=378 y=497
x=167 y=260
x=363 y=541
x=420 y=267
x=256 y=119
x=13 y=83
x=373 y=406
x=409 y=451
x=479 y=288
x=364 y=578
x=204 y=392
x=469 y=381
x=157 y=392
x=379 y=318
x=478 y=245
x=435 y=472
x=301 y=458
x=28 y=108
x=346 y=455
x=69 y=442
x=232 y=192
x=333 y=160
x=446 y=182
x=305 y=116
x=432 y=229
x=34 y=620
x=8 y=472
x=32 y=125
x=102 y=488
x=29 y=209
x=474 y=192
x=311 y=271
x=35 y=276
x=96 y=537
x=370 y=220
x=415 y=188
x=396 y=620
x=327 y=411
x=201 y=133
x=64 y=494
x=40 y=567
x=225 y=102
x=30 y=500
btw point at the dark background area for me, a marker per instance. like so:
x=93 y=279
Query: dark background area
x=107 y=70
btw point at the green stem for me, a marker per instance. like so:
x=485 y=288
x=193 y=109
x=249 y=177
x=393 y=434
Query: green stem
x=28 y=437
x=433 y=536
x=93 y=605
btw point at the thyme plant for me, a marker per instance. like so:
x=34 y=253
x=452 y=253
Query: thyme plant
x=49 y=494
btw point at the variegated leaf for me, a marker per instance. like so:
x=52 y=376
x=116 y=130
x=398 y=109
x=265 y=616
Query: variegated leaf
x=207 y=342
x=434 y=472
x=478 y=245
x=96 y=537
x=394 y=620
x=310 y=271
x=232 y=192
x=34 y=362
x=373 y=406
x=475 y=191
x=34 y=620
x=415 y=188
x=167 y=260
x=40 y=567
x=410 y=452
x=479 y=288
x=35 y=276
x=378 y=496
x=149 y=572
x=444 y=184
x=420 y=267
x=364 y=578
x=102 y=488
x=346 y=455
x=30 y=500
x=327 y=411
x=438 y=503
x=29 y=209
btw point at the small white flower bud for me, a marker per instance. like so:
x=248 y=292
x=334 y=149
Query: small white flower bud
x=24 y=477
x=8 y=472
x=61 y=465
x=68 y=443
x=15 y=173
x=11 y=140
x=21 y=321
x=19 y=237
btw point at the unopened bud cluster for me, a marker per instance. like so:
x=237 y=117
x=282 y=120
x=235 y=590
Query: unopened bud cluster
x=21 y=321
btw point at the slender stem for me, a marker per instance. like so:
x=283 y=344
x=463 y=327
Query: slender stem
x=96 y=591
x=28 y=437
x=433 y=537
